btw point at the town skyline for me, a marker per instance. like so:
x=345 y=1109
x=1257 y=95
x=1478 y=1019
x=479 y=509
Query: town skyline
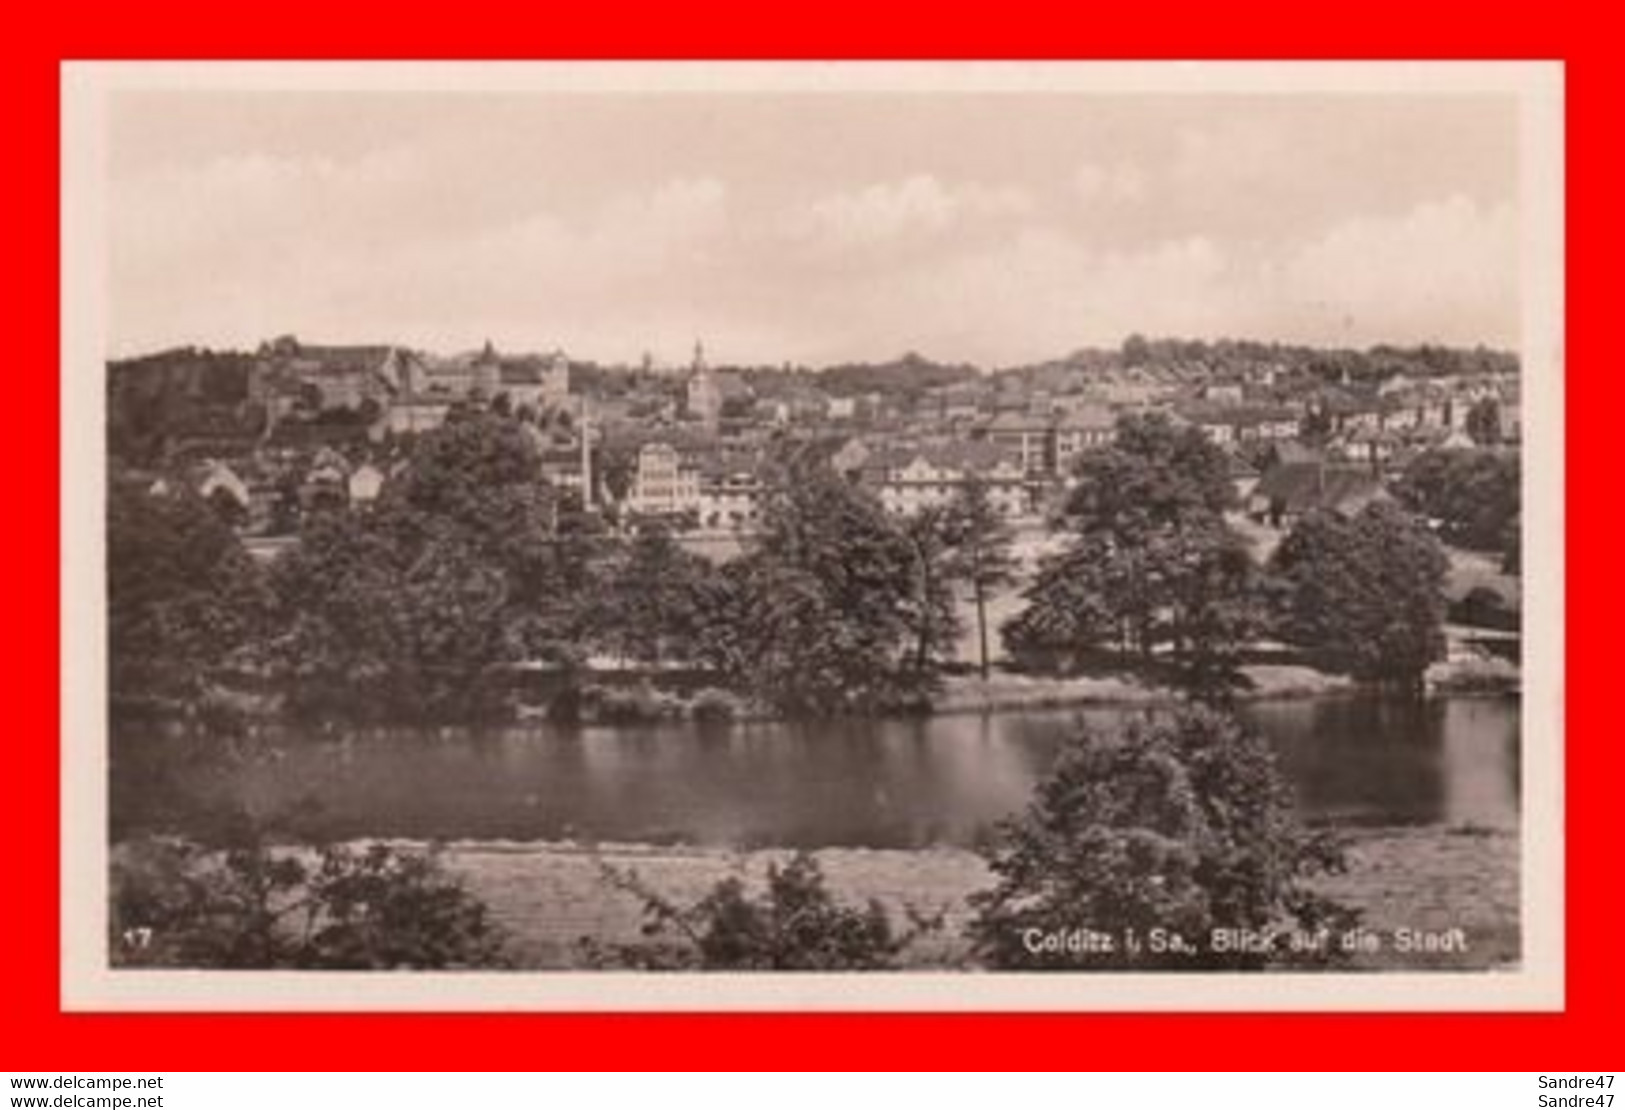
x=679 y=362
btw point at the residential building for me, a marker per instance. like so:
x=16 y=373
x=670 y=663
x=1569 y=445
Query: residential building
x=216 y=477
x=1080 y=428
x=1263 y=423
x=663 y=483
x=365 y=483
x=1030 y=438
x=730 y=494
x=909 y=479
x=1286 y=492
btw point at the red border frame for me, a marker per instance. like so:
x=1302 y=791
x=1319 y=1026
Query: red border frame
x=37 y=1035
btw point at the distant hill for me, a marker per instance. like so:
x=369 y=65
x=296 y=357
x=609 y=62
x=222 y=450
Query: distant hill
x=158 y=402
x=912 y=373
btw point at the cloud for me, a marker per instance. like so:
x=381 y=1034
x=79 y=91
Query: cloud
x=1041 y=292
x=1114 y=183
x=915 y=207
x=238 y=249
x=1230 y=152
x=1446 y=270
x=633 y=233
x=1272 y=226
x=177 y=213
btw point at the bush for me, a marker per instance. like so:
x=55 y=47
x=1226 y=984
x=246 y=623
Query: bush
x=796 y=925
x=1483 y=607
x=713 y=704
x=179 y=904
x=1366 y=592
x=1181 y=825
x=636 y=705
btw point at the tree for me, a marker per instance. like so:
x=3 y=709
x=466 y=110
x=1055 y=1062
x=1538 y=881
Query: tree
x=370 y=626
x=648 y=604
x=1484 y=422
x=1136 y=351
x=1316 y=427
x=774 y=632
x=1180 y=824
x=1151 y=560
x=1512 y=545
x=182 y=594
x=815 y=618
x=224 y=504
x=252 y=905
x=982 y=542
x=616 y=470
x=477 y=476
x=930 y=535
x=1366 y=591
x=468 y=560
x=1474 y=494
x=795 y=925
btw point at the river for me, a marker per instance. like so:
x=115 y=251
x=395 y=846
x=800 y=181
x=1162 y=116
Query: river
x=1353 y=760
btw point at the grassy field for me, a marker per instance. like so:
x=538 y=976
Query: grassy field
x=1432 y=880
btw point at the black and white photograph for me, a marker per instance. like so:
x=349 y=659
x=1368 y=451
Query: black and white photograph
x=813 y=535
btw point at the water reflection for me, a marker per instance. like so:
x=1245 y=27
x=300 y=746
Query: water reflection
x=901 y=783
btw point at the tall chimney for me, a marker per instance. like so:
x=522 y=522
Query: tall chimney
x=586 y=453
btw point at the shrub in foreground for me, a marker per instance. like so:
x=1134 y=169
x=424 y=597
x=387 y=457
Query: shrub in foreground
x=1176 y=827
x=795 y=924
x=179 y=904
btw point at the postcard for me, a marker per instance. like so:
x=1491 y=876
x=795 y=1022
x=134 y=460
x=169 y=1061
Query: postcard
x=812 y=536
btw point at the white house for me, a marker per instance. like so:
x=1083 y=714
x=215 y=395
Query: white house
x=365 y=483
x=663 y=483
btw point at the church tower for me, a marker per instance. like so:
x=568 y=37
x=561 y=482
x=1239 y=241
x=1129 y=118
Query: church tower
x=485 y=376
x=703 y=400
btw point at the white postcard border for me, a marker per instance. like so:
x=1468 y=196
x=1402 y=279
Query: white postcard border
x=90 y=984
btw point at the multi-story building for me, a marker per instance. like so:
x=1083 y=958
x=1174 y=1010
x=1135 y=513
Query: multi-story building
x=663 y=483
x=730 y=495
x=1265 y=423
x=340 y=377
x=1079 y=429
x=536 y=382
x=910 y=479
x=1030 y=438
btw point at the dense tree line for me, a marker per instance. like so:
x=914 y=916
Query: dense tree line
x=1151 y=568
x=183 y=595
x=1366 y=592
x=468 y=563
x=1369 y=365
x=1153 y=575
x=1475 y=495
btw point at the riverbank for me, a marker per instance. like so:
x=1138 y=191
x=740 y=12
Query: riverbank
x=1006 y=691
x=547 y=896
x=1263 y=682
x=625 y=696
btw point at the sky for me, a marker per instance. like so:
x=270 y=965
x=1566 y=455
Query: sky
x=994 y=228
